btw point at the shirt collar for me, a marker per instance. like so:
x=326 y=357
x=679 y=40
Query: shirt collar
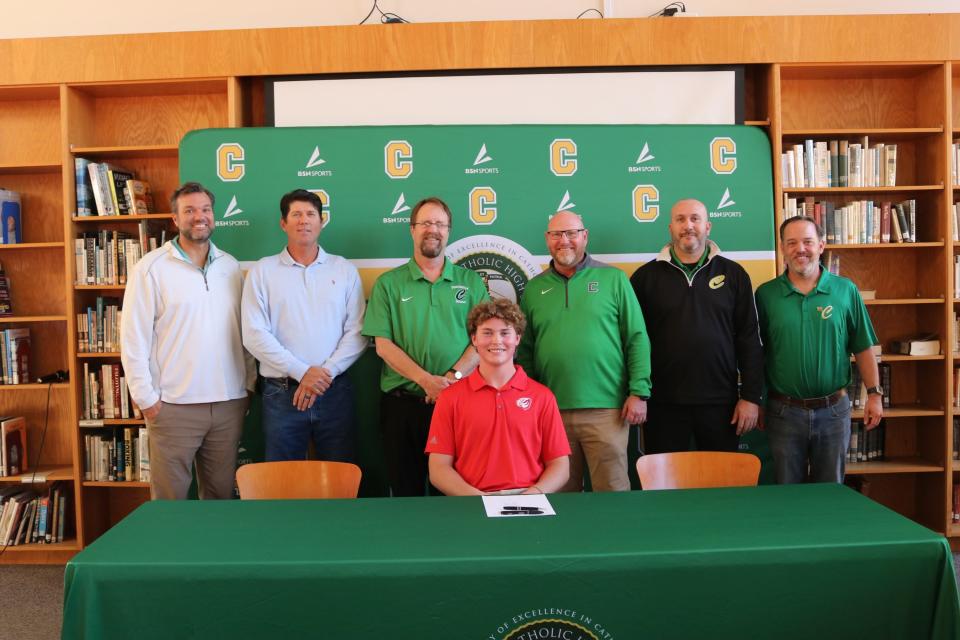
x=417 y=274
x=824 y=282
x=665 y=254
x=518 y=381
x=212 y=254
x=583 y=264
x=288 y=260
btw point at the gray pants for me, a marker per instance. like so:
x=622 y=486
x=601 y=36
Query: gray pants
x=208 y=432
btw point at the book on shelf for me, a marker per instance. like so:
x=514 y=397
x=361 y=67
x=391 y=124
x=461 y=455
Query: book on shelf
x=29 y=515
x=106 y=257
x=98 y=327
x=106 y=395
x=117 y=180
x=13 y=445
x=14 y=356
x=86 y=206
x=6 y=302
x=857 y=390
x=116 y=455
x=838 y=163
x=140 y=196
x=859 y=221
x=956 y=434
x=867 y=446
x=921 y=344
x=10 y=231
x=103 y=179
x=955 y=515
x=954 y=163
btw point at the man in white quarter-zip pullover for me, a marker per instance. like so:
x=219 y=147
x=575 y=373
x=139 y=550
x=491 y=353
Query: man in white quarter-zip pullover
x=183 y=356
x=699 y=310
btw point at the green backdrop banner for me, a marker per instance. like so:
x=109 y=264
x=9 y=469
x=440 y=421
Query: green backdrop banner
x=502 y=183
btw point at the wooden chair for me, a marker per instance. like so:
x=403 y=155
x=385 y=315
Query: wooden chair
x=298 y=479
x=698 y=469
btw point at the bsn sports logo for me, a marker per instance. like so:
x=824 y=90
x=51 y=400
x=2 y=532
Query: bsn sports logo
x=233 y=209
x=641 y=165
x=314 y=161
x=230 y=162
x=723 y=207
x=566 y=203
x=645 y=203
x=482 y=158
x=401 y=206
x=398 y=159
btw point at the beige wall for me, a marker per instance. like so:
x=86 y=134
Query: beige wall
x=70 y=17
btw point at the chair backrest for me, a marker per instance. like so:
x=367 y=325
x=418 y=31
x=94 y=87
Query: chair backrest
x=698 y=469
x=298 y=479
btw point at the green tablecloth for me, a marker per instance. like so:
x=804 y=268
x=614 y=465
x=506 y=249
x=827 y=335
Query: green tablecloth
x=807 y=561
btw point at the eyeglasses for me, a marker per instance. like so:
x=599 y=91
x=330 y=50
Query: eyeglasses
x=428 y=224
x=569 y=234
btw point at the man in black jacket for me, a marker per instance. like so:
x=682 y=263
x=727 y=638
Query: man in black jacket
x=699 y=310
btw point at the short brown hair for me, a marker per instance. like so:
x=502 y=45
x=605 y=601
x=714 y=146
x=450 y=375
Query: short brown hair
x=786 y=223
x=186 y=189
x=502 y=309
x=431 y=200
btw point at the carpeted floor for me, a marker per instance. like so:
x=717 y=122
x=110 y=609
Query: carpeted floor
x=32 y=601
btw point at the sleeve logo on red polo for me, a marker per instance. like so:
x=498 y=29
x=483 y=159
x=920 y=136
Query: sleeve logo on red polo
x=524 y=403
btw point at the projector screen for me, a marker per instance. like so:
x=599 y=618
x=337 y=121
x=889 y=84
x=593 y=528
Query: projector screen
x=648 y=95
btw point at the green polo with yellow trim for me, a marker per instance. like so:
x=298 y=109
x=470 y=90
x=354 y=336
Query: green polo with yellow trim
x=427 y=320
x=808 y=339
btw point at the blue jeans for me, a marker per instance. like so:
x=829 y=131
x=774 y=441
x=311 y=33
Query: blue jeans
x=818 y=437
x=330 y=422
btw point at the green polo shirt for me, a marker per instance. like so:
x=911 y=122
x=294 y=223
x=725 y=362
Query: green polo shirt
x=808 y=339
x=428 y=320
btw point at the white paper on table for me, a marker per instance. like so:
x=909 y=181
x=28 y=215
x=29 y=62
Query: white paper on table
x=495 y=505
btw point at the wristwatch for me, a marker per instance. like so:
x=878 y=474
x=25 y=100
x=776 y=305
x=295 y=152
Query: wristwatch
x=877 y=390
x=456 y=374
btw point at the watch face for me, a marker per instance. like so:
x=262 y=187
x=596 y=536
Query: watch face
x=457 y=374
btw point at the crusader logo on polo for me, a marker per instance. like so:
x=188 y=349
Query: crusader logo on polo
x=826 y=312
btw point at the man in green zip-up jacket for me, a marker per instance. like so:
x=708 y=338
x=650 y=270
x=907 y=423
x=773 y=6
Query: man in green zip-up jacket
x=587 y=342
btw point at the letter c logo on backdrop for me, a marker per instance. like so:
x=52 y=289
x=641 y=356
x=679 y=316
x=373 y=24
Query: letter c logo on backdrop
x=398 y=159
x=483 y=205
x=325 y=203
x=646 y=203
x=723 y=155
x=563 y=157
x=230 y=167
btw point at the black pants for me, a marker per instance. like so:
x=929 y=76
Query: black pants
x=670 y=427
x=405 y=423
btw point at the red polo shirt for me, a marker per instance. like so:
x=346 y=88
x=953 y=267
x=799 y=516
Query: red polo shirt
x=499 y=438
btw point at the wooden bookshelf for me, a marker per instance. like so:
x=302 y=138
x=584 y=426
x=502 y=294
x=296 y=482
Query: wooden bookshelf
x=73 y=97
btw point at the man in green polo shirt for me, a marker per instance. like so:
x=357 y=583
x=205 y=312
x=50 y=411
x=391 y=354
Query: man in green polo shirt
x=810 y=323
x=417 y=316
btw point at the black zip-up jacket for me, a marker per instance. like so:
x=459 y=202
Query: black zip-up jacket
x=703 y=330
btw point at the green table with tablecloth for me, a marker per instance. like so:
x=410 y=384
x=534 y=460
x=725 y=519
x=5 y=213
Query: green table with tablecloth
x=803 y=561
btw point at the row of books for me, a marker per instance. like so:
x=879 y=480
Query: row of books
x=857 y=390
x=31 y=515
x=859 y=222
x=15 y=356
x=956 y=504
x=107 y=257
x=956 y=276
x=98 y=327
x=956 y=436
x=117 y=455
x=866 y=446
x=956 y=221
x=956 y=337
x=104 y=189
x=954 y=163
x=839 y=163
x=13 y=446
x=105 y=393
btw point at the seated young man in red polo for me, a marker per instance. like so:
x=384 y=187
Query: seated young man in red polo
x=497 y=430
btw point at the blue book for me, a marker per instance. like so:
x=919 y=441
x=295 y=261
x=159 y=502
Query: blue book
x=10 y=217
x=85 y=202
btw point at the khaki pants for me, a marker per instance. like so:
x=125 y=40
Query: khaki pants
x=208 y=433
x=600 y=437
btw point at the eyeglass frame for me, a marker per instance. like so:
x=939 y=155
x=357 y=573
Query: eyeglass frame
x=569 y=234
x=431 y=224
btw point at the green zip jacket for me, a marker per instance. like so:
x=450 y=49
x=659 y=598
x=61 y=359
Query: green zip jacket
x=585 y=337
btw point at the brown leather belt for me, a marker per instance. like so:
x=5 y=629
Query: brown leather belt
x=809 y=403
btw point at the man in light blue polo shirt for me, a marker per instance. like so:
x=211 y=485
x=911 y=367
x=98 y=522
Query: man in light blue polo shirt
x=302 y=312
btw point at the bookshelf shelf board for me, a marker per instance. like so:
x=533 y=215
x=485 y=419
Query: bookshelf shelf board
x=31 y=245
x=953 y=530
x=124 y=484
x=33 y=386
x=893 y=465
x=897 y=357
x=905 y=301
x=150 y=88
x=130 y=218
x=112 y=422
x=17 y=319
x=99 y=287
x=98 y=354
x=131 y=151
x=757 y=123
x=886 y=134
x=866 y=190
x=66 y=545
x=886 y=245
x=901 y=412
x=43 y=474
x=30 y=168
